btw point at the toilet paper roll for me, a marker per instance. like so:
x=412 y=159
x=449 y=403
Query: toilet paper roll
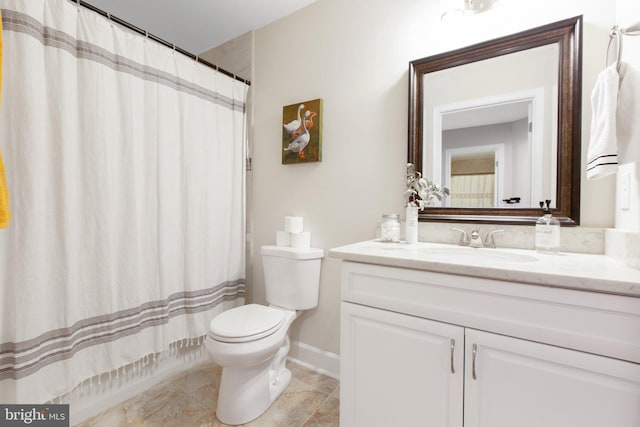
x=301 y=240
x=283 y=238
x=293 y=224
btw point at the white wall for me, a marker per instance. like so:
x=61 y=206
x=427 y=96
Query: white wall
x=234 y=56
x=628 y=217
x=355 y=54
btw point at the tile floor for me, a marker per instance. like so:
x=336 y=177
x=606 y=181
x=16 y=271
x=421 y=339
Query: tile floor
x=312 y=399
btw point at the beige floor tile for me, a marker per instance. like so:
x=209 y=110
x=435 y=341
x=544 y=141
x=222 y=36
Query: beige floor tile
x=294 y=406
x=320 y=381
x=327 y=415
x=114 y=417
x=202 y=383
x=190 y=400
x=164 y=406
x=336 y=393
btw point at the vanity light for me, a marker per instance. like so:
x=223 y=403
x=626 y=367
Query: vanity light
x=466 y=7
x=476 y=6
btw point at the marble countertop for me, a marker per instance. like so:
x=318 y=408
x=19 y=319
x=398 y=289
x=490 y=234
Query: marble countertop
x=587 y=272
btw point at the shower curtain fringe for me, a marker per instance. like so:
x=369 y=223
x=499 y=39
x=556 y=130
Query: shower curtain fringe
x=130 y=371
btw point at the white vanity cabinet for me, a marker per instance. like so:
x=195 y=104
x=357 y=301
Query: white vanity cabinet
x=528 y=384
x=420 y=348
x=399 y=370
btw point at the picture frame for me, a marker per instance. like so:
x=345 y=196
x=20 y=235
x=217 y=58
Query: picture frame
x=302 y=132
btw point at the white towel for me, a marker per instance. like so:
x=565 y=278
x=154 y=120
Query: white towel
x=628 y=115
x=602 y=156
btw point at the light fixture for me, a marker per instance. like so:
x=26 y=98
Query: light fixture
x=467 y=7
x=477 y=6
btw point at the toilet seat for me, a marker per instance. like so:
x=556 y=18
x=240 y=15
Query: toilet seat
x=246 y=323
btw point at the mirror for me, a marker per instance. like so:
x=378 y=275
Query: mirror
x=498 y=123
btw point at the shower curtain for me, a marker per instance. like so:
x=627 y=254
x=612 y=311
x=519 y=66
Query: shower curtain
x=472 y=191
x=125 y=165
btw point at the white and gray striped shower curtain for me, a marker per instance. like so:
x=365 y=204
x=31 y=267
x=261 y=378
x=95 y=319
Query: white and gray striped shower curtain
x=125 y=166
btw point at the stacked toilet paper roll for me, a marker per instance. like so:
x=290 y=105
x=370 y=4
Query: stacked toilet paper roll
x=293 y=234
x=301 y=240
x=293 y=224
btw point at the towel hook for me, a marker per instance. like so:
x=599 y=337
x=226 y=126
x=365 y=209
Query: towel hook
x=614 y=33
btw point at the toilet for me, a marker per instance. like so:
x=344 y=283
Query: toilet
x=251 y=342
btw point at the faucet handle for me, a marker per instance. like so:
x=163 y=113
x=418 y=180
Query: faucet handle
x=464 y=239
x=488 y=241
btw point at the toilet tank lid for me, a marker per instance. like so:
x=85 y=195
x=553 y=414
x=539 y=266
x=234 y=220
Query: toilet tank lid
x=288 y=252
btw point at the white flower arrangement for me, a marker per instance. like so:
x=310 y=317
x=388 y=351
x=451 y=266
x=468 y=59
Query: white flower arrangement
x=420 y=191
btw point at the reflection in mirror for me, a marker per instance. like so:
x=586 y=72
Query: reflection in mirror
x=508 y=106
x=498 y=124
x=474 y=176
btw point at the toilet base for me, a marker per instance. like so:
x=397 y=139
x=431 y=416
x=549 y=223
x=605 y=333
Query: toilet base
x=247 y=392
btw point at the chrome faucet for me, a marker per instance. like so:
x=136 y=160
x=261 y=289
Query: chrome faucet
x=476 y=240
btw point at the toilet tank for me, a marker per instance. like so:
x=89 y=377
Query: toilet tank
x=292 y=276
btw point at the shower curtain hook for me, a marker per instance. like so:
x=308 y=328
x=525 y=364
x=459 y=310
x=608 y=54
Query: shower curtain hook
x=110 y=20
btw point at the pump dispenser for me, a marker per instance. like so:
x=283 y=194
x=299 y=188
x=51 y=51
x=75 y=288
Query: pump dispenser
x=547 y=230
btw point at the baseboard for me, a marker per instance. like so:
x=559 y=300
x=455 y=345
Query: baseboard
x=315 y=358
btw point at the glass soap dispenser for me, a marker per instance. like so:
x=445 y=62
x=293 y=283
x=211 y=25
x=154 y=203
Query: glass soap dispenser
x=547 y=230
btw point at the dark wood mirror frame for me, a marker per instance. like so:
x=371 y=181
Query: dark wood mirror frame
x=568 y=35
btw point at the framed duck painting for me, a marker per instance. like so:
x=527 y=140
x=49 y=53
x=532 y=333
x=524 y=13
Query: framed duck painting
x=302 y=132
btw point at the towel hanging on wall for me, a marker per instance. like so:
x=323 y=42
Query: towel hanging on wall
x=5 y=214
x=615 y=123
x=602 y=156
x=628 y=115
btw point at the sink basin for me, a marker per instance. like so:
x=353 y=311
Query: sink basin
x=463 y=254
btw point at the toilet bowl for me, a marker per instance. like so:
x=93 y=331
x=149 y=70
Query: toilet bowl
x=254 y=372
x=251 y=342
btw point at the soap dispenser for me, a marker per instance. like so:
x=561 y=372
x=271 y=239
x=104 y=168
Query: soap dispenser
x=547 y=230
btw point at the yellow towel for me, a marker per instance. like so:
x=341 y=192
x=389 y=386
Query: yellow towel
x=5 y=215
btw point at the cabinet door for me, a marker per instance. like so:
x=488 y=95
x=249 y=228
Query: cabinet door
x=513 y=382
x=399 y=370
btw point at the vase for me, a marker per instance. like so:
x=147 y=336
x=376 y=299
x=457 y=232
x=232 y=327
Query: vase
x=411 y=224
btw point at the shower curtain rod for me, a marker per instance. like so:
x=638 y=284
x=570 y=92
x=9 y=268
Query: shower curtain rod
x=159 y=40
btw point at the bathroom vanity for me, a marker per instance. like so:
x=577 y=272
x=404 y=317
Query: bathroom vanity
x=441 y=335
